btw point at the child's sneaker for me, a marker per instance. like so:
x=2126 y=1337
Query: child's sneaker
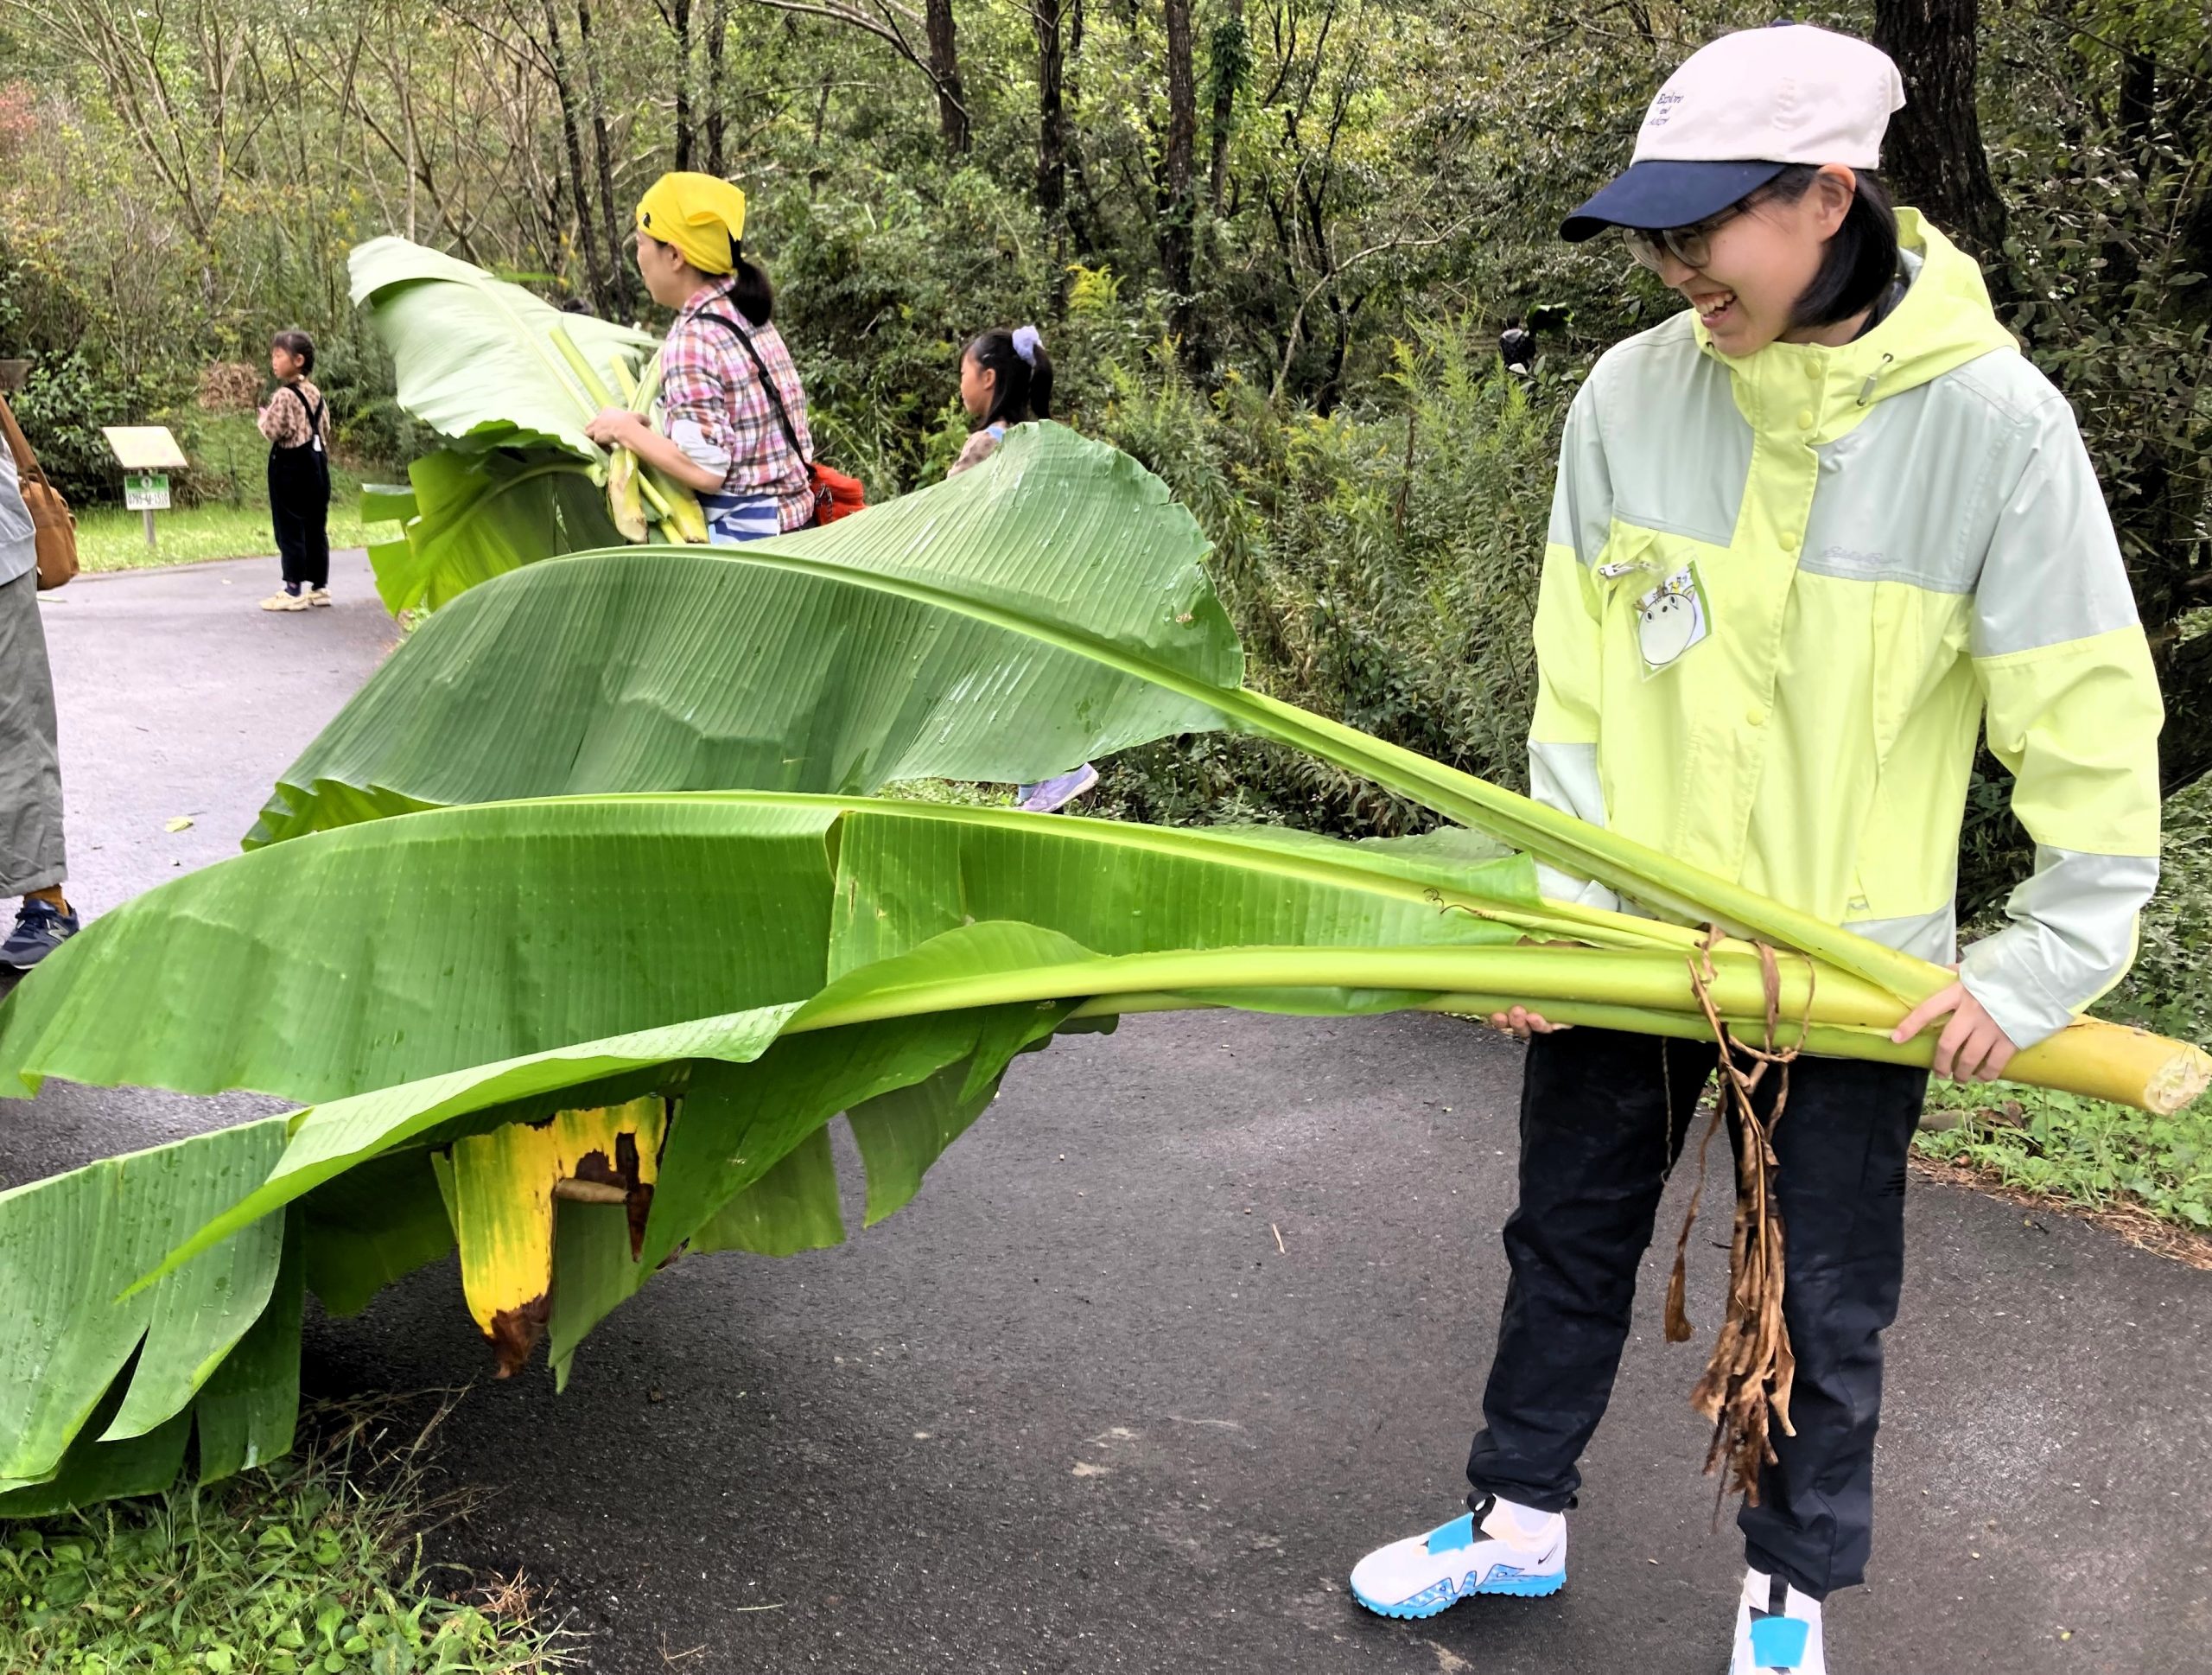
x=1778 y=1629
x=40 y=928
x=318 y=596
x=285 y=601
x=1501 y=1548
x=1049 y=796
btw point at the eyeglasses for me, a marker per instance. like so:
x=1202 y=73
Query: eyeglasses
x=1691 y=245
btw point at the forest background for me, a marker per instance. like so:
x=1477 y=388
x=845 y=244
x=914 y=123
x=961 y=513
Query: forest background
x=1270 y=243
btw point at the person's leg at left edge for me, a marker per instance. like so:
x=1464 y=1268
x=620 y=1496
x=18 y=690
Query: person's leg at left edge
x=32 y=860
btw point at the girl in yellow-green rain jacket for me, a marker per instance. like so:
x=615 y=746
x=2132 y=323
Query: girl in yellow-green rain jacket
x=1810 y=535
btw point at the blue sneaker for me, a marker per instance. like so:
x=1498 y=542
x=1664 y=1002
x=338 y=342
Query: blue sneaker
x=40 y=928
x=1049 y=796
x=1501 y=1549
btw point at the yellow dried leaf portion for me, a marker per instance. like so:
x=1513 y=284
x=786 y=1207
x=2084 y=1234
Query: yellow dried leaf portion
x=503 y=1192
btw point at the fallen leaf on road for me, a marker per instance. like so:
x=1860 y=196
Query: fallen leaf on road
x=176 y=823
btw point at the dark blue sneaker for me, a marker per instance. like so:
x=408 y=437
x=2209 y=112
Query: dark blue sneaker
x=40 y=928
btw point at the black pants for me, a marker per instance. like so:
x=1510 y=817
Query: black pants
x=1603 y=1118
x=299 y=507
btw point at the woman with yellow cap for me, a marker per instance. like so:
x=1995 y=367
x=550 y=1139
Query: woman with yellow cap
x=735 y=413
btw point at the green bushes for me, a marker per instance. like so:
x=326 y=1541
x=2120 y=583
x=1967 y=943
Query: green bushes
x=1381 y=564
x=63 y=406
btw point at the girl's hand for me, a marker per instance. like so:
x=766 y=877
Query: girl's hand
x=614 y=427
x=1971 y=1047
x=1521 y=1023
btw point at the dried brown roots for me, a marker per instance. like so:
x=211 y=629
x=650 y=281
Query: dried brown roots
x=1746 y=1386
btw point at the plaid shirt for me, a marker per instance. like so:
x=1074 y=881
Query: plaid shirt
x=284 y=421
x=708 y=378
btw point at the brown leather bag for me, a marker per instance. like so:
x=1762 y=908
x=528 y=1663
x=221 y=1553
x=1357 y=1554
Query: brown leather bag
x=54 y=525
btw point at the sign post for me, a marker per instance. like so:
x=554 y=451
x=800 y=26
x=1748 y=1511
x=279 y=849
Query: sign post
x=147 y=453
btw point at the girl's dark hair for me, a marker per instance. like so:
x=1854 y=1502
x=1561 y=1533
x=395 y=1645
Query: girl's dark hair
x=1024 y=390
x=1861 y=261
x=296 y=343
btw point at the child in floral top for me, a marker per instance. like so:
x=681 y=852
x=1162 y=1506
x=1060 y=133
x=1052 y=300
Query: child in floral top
x=297 y=421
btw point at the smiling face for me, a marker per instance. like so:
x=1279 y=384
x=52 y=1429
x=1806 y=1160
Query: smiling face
x=1758 y=263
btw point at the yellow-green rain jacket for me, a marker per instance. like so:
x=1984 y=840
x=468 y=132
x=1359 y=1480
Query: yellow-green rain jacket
x=1781 y=593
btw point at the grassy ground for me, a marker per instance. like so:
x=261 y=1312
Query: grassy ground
x=231 y=523
x=108 y=538
x=310 y=1564
x=2083 y=1151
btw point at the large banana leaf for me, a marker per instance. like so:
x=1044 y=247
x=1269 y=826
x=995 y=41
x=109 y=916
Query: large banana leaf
x=568 y=959
x=478 y=513
x=476 y=357
x=573 y=920
x=481 y=360
x=898 y=643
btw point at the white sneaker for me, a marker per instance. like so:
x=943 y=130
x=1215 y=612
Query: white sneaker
x=1506 y=1549
x=318 y=596
x=1777 y=1628
x=285 y=601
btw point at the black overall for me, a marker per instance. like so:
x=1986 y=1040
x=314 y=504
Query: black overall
x=299 y=501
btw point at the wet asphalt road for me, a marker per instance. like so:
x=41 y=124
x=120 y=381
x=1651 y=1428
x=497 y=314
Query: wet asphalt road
x=1197 y=1314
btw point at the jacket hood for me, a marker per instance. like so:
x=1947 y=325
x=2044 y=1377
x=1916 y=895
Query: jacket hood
x=1943 y=321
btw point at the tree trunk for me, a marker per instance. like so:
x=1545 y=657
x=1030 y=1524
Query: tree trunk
x=1177 y=196
x=1052 y=115
x=618 y=269
x=681 y=17
x=1232 y=62
x=717 y=111
x=1935 y=143
x=564 y=88
x=944 y=70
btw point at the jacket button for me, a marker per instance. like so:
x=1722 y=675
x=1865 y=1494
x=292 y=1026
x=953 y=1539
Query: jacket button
x=1755 y=715
x=1813 y=371
x=1805 y=419
x=1791 y=540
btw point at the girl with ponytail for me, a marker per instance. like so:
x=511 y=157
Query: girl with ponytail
x=1006 y=378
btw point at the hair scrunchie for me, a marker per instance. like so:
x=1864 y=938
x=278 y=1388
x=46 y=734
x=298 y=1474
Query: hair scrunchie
x=1026 y=342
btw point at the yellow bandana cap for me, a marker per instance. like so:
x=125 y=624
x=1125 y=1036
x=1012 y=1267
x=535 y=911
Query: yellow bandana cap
x=700 y=215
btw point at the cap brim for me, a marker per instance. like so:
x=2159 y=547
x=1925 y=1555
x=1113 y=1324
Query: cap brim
x=1654 y=193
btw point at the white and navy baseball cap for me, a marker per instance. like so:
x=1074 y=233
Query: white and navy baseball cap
x=1738 y=113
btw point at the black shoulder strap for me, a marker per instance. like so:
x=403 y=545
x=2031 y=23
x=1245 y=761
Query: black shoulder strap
x=767 y=383
x=314 y=411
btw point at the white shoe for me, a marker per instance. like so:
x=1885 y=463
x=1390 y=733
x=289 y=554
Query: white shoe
x=285 y=601
x=1777 y=1628
x=1507 y=1549
x=318 y=596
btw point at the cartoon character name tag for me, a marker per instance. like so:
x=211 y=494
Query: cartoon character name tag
x=1671 y=619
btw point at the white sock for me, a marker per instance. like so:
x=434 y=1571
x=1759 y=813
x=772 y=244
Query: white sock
x=1516 y=1522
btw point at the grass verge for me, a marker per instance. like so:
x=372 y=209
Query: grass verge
x=313 y=1562
x=231 y=519
x=109 y=538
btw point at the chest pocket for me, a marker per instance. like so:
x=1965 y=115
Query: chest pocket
x=1659 y=605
